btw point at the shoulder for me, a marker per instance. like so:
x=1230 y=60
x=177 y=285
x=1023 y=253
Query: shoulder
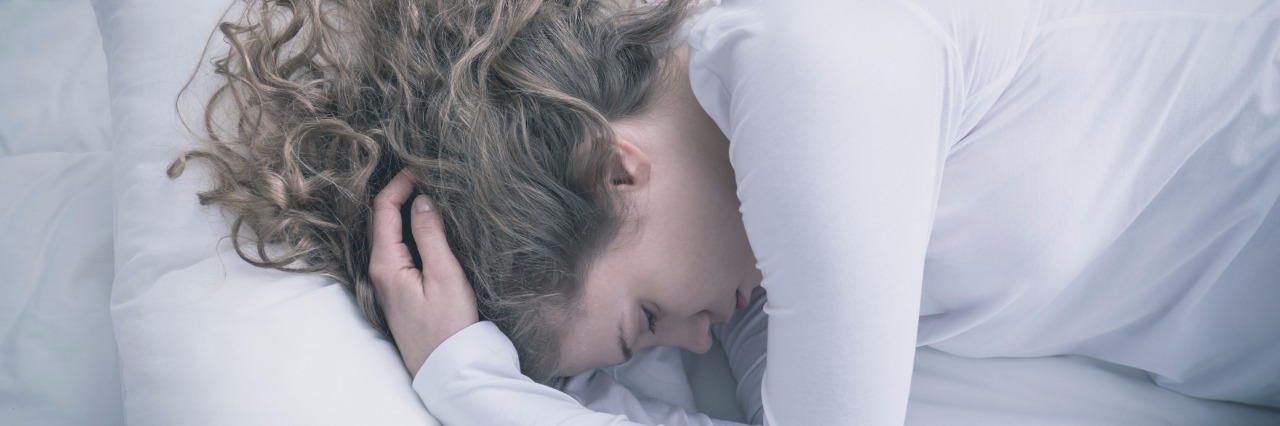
x=808 y=23
x=744 y=52
x=743 y=41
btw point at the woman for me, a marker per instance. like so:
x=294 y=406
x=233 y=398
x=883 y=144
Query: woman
x=1018 y=179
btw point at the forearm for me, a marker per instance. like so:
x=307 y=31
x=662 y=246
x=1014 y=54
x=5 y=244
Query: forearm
x=474 y=378
x=837 y=149
x=599 y=391
x=745 y=340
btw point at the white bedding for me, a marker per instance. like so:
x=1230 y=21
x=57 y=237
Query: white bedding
x=260 y=349
x=53 y=97
x=57 y=353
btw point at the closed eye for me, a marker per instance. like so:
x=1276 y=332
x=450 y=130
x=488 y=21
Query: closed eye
x=653 y=322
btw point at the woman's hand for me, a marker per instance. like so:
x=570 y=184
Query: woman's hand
x=422 y=307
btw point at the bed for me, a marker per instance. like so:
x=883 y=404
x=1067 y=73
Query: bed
x=121 y=303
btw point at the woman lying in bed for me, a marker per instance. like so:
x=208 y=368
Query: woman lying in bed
x=1015 y=180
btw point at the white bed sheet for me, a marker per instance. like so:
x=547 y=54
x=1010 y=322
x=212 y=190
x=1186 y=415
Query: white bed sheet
x=53 y=94
x=57 y=351
x=58 y=362
x=948 y=389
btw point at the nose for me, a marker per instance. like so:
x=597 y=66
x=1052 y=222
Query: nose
x=696 y=335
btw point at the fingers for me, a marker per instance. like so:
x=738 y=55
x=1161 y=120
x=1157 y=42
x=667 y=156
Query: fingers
x=424 y=307
x=386 y=209
x=388 y=256
x=438 y=262
x=390 y=265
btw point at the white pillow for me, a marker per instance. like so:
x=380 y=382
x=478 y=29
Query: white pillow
x=54 y=94
x=205 y=338
x=57 y=354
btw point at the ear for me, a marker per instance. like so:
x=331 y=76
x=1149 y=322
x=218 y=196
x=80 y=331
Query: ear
x=631 y=166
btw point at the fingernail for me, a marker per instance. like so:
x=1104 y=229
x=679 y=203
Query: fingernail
x=422 y=204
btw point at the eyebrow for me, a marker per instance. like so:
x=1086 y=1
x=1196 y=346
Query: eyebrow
x=622 y=343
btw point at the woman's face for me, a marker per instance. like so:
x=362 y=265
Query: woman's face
x=681 y=261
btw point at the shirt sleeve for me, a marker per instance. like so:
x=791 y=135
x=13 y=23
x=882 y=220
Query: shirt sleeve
x=599 y=391
x=744 y=340
x=474 y=378
x=839 y=115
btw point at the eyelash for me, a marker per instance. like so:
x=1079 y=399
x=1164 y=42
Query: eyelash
x=652 y=321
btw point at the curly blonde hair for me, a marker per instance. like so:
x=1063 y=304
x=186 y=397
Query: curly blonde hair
x=500 y=108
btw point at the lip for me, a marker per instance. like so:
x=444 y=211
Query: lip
x=743 y=300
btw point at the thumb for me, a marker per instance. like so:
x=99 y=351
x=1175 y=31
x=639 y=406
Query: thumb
x=438 y=261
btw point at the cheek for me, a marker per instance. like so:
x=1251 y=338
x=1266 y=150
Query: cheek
x=704 y=258
x=701 y=226
x=724 y=250
x=712 y=232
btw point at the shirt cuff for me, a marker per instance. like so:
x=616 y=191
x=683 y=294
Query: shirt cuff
x=478 y=344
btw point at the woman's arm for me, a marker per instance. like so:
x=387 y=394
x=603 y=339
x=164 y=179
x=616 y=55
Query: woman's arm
x=467 y=372
x=745 y=340
x=474 y=378
x=839 y=115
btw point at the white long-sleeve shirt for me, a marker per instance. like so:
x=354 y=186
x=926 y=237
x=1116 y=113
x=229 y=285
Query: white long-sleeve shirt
x=1014 y=179
x=474 y=378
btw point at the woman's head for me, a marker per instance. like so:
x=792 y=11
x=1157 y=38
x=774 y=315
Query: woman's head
x=508 y=112
x=682 y=258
